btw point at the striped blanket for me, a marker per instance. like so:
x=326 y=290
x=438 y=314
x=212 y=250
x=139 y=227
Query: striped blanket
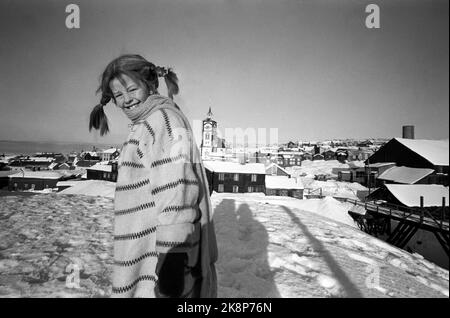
x=162 y=205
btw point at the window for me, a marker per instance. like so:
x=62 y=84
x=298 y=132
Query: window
x=104 y=175
x=360 y=174
x=250 y=189
x=236 y=177
x=32 y=187
x=220 y=189
x=253 y=177
x=221 y=176
x=26 y=185
x=235 y=189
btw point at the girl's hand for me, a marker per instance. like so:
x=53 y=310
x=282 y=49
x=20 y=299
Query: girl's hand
x=170 y=271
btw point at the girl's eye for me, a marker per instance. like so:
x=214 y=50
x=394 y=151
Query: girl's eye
x=118 y=95
x=132 y=89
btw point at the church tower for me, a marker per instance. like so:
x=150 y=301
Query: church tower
x=209 y=135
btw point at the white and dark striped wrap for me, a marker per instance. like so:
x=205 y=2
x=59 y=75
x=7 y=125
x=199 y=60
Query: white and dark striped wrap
x=162 y=204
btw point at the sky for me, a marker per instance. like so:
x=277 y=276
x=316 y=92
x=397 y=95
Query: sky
x=312 y=69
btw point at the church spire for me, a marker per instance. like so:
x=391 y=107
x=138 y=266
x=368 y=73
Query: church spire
x=209 y=115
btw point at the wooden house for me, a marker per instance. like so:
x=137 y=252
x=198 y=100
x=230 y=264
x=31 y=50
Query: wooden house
x=107 y=172
x=284 y=186
x=33 y=180
x=417 y=153
x=235 y=177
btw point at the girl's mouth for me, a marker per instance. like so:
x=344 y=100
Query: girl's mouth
x=131 y=107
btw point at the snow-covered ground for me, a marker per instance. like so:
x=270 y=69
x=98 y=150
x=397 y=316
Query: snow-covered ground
x=268 y=247
x=310 y=169
x=92 y=188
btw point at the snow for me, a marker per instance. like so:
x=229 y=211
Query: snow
x=37 y=174
x=410 y=194
x=92 y=188
x=283 y=182
x=327 y=207
x=268 y=247
x=110 y=151
x=100 y=167
x=310 y=168
x=405 y=174
x=435 y=151
x=273 y=167
x=232 y=167
x=339 y=189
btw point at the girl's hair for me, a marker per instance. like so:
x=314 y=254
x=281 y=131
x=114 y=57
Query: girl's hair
x=141 y=71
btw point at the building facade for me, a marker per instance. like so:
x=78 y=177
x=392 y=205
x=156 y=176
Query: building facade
x=234 y=177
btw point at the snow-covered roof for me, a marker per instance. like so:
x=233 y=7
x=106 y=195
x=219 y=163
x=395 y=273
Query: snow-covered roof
x=232 y=167
x=356 y=164
x=380 y=164
x=435 y=151
x=53 y=165
x=308 y=148
x=100 y=167
x=276 y=166
x=283 y=182
x=37 y=174
x=40 y=159
x=405 y=174
x=67 y=183
x=110 y=150
x=410 y=195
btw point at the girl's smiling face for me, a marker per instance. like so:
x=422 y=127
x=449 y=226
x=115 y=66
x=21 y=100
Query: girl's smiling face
x=127 y=93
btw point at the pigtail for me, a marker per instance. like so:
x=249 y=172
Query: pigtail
x=170 y=78
x=98 y=119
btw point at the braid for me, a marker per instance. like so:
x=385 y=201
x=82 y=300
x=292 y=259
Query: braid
x=170 y=78
x=98 y=119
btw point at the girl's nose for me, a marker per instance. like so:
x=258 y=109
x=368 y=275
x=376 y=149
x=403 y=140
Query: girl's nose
x=127 y=98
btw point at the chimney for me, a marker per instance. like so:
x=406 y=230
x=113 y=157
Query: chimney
x=408 y=132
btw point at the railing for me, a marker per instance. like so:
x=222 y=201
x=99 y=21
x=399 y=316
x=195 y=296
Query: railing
x=405 y=212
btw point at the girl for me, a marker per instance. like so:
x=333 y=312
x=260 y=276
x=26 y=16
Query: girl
x=164 y=240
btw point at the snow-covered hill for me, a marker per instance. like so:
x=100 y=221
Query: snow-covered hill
x=268 y=247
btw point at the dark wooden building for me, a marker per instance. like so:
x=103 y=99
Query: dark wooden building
x=416 y=153
x=235 y=177
x=103 y=172
x=329 y=155
x=284 y=186
x=33 y=180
